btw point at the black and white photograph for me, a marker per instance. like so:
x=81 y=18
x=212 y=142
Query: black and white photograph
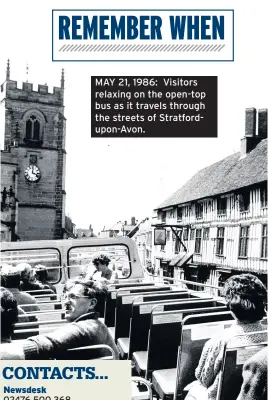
x=135 y=229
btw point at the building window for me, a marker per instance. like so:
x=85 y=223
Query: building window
x=264 y=197
x=264 y=242
x=192 y=234
x=32 y=128
x=206 y=234
x=178 y=242
x=171 y=214
x=199 y=210
x=220 y=242
x=187 y=210
x=244 y=201
x=198 y=238
x=179 y=213
x=221 y=206
x=243 y=241
x=168 y=235
x=185 y=234
x=163 y=216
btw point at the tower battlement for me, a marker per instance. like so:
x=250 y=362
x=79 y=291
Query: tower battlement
x=11 y=90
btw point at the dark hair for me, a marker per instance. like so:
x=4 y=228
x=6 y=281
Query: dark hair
x=9 y=312
x=246 y=297
x=41 y=273
x=101 y=258
x=12 y=280
x=91 y=289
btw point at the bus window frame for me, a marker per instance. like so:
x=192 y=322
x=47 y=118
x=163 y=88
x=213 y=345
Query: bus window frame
x=38 y=249
x=101 y=245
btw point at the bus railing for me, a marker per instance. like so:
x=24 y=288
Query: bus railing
x=207 y=288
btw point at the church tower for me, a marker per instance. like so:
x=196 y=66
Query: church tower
x=34 y=133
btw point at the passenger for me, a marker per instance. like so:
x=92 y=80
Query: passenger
x=12 y=282
x=101 y=262
x=246 y=298
x=80 y=301
x=254 y=385
x=28 y=278
x=9 y=314
x=42 y=276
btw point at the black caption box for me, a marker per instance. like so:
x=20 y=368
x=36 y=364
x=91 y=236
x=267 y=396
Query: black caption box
x=154 y=106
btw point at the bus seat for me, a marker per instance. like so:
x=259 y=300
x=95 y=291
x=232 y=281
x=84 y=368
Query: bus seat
x=191 y=345
x=196 y=331
x=110 y=304
x=124 y=301
x=141 y=317
x=165 y=332
x=232 y=365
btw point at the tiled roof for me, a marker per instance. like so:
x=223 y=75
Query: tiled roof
x=225 y=176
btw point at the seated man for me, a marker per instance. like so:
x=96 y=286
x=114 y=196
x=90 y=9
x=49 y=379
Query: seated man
x=12 y=283
x=28 y=278
x=80 y=301
x=42 y=276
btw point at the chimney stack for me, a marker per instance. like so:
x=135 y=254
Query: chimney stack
x=250 y=122
x=251 y=140
x=262 y=123
x=133 y=221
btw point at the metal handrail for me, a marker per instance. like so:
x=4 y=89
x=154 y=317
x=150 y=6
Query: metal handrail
x=96 y=346
x=146 y=383
x=181 y=280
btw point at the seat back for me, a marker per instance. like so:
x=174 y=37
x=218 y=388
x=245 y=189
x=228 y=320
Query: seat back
x=232 y=365
x=39 y=292
x=26 y=331
x=44 y=305
x=197 y=329
x=110 y=304
x=141 y=316
x=124 y=300
x=165 y=332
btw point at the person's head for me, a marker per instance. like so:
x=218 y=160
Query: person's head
x=9 y=313
x=41 y=273
x=81 y=297
x=246 y=297
x=27 y=272
x=101 y=261
x=12 y=278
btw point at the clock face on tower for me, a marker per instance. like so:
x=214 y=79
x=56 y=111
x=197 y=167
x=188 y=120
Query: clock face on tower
x=32 y=173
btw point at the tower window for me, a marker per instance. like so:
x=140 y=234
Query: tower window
x=32 y=128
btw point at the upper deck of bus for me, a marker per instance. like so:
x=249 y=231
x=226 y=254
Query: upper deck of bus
x=73 y=254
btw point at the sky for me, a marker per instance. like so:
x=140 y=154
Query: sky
x=108 y=180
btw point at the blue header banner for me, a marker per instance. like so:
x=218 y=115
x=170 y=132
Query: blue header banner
x=142 y=35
